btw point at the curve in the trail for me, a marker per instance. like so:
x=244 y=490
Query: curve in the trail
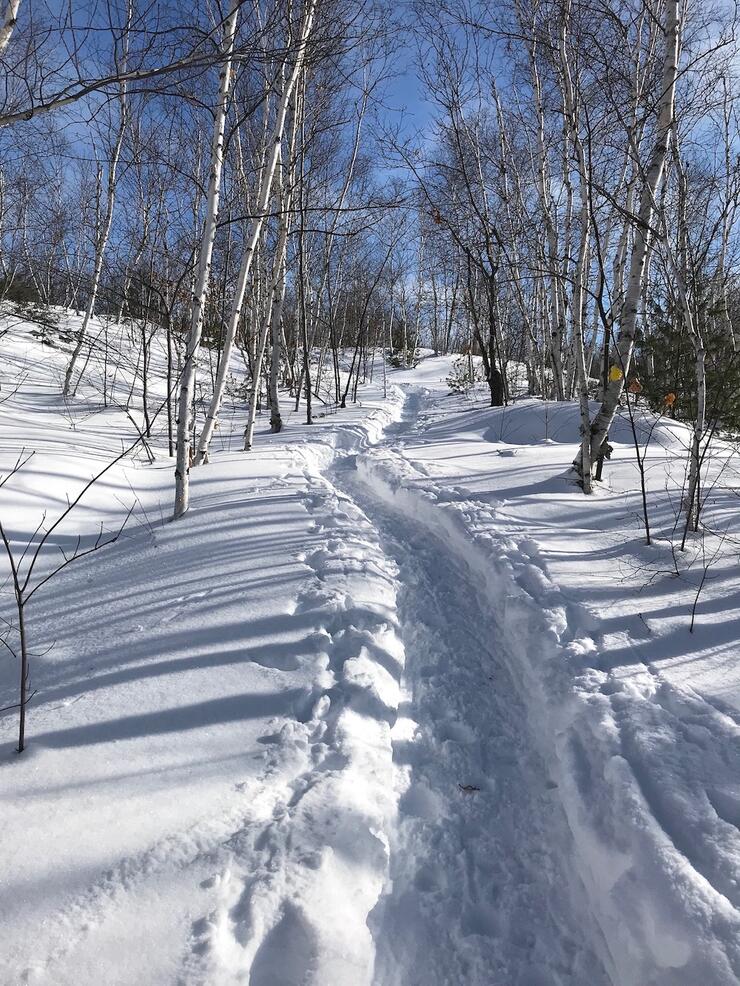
x=480 y=890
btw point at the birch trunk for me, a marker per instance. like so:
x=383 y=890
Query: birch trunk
x=254 y=234
x=679 y=273
x=303 y=272
x=277 y=299
x=555 y=342
x=9 y=21
x=640 y=247
x=200 y=288
x=276 y=421
x=274 y=312
x=691 y=501
x=582 y=263
x=285 y=192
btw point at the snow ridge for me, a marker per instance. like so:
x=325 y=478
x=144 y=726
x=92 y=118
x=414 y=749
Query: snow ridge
x=286 y=914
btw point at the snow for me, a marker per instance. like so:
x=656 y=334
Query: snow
x=631 y=713
x=393 y=704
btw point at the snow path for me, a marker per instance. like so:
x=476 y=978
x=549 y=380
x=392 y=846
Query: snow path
x=480 y=886
x=368 y=716
x=295 y=894
x=628 y=754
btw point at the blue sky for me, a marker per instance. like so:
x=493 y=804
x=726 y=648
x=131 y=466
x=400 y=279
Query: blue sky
x=405 y=95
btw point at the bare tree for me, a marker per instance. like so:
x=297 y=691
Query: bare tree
x=25 y=587
x=653 y=177
x=265 y=183
x=187 y=385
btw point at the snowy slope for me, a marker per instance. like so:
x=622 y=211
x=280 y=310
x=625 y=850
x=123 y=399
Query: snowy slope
x=210 y=742
x=377 y=711
x=636 y=718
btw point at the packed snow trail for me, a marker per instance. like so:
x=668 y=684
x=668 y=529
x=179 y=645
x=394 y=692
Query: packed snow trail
x=655 y=856
x=480 y=890
x=293 y=895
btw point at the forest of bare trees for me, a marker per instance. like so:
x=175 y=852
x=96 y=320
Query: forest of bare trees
x=230 y=179
x=369 y=483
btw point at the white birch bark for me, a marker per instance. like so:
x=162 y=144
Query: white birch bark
x=582 y=264
x=256 y=228
x=555 y=342
x=276 y=316
x=700 y=421
x=679 y=276
x=285 y=194
x=276 y=421
x=556 y=309
x=271 y=325
x=10 y=18
x=513 y=250
x=640 y=247
x=200 y=287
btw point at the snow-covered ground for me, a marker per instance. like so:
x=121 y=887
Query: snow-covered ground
x=393 y=705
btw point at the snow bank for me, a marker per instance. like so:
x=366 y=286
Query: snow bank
x=531 y=421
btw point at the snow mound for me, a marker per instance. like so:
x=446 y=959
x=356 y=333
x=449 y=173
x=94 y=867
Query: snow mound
x=531 y=421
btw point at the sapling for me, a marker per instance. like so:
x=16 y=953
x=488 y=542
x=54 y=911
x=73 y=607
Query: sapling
x=25 y=586
x=640 y=454
x=706 y=564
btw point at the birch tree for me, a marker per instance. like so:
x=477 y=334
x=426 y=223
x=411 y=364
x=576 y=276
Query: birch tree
x=572 y=123
x=624 y=347
x=255 y=229
x=271 y=331
x=103 y=228
x=187 y=382
x=547 y=205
